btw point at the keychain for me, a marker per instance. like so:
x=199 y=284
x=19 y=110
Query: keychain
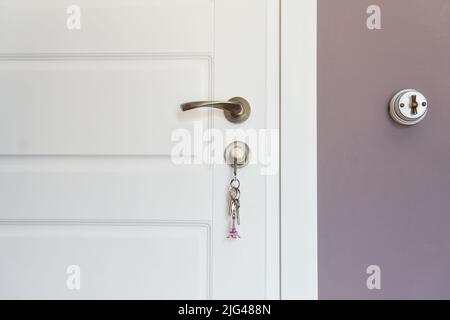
x=234 y=205
x=237 y=155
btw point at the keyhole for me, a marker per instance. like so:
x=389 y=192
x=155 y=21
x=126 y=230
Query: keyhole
x=414 y=105
x=408 y=107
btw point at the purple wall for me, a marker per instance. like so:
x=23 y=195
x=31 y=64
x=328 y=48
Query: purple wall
x=384 y=189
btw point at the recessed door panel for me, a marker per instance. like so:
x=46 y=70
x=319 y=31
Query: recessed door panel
x=104 y=262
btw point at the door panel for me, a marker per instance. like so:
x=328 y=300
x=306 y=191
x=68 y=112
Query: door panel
x=101 y=106
x=118 y=188
x=125 y=262
x=113 y=26
x=86 y=124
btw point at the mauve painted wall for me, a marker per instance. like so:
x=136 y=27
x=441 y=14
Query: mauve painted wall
x=384 y=189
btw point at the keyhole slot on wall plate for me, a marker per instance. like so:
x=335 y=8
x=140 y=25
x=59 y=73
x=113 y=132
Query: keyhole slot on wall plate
x=408 y=107
x=237 y=152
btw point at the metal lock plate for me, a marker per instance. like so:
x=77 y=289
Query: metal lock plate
x=237 y=153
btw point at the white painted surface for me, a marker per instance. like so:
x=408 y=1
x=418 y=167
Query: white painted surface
x=82 y=187
x=103 y=106
x=299 y=150
x=112 y=26
x=116 y=261
x=245 y=72
x=86 y=176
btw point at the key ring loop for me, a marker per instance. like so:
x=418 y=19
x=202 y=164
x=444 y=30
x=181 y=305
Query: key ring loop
x=235 y=183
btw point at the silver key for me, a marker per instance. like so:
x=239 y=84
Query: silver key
x=238 y=215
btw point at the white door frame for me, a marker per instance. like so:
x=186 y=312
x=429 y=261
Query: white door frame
x=299 y=278
x=273 y=234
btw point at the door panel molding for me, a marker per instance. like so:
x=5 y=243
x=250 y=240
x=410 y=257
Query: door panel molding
x=118 y=248
x=64 y=87
x=120 y=18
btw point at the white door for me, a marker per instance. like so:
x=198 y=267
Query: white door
x=92 y=203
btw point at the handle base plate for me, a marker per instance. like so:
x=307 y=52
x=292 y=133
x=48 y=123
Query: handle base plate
x=243 y=116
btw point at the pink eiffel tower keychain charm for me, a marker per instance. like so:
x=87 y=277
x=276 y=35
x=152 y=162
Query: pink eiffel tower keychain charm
x=234 y=234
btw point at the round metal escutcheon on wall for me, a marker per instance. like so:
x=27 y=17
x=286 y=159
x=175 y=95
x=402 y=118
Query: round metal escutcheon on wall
x=409 y=107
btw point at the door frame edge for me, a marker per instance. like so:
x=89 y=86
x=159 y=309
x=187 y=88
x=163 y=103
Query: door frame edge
x=298 y=181
x=273 y=280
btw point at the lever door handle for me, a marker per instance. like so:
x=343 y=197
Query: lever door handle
x=236 y=110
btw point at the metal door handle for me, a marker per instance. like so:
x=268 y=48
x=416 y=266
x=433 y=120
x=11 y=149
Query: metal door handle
x=236 y=110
